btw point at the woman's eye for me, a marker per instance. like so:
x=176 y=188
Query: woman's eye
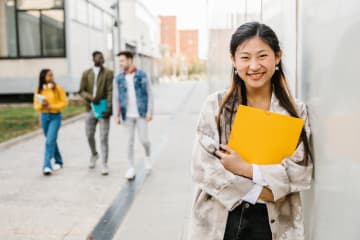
x=264 y=55
x=244 y=58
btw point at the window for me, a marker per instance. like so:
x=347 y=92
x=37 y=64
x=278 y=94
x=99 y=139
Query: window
x=52 y=35
x=31 y=28
x=7 y=29
x=29 y=33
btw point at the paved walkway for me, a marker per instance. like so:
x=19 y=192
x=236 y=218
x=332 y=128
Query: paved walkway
x=71 y=204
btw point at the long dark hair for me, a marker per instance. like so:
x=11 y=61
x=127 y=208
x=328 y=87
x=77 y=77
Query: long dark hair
x=42 y=79
x=237 y=91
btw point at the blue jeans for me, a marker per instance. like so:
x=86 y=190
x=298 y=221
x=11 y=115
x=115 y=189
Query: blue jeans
x=50 y=123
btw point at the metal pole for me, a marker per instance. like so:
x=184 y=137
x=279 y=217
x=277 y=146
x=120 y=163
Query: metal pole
x=245 y=10
x=119 y=23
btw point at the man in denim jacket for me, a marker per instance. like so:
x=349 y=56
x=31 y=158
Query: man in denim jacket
x=133 y=105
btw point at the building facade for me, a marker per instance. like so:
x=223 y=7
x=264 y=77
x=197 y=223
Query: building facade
x=62 y=34
x=169 y=37
x=140 y=33
x=189 y=45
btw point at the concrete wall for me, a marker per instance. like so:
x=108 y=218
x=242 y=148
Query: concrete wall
x=321 y=55
x=329 y=83
x=21 y=75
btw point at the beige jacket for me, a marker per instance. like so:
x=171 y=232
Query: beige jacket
x=219 y=191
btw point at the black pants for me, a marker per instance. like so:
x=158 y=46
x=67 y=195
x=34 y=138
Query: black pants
x=248 y=222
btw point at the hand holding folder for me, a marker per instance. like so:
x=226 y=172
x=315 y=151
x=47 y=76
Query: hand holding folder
x=263 y=137
x=99 y=109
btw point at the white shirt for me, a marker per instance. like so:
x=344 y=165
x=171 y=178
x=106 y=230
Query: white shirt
x=253 y=195
x=96 y=71
x=132 y=110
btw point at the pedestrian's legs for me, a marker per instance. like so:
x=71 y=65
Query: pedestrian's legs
x=45 y=120
x=130 y=127
x=104 y=138
x=58 y=157
x=142 y=127
x=51 y=138
x=90 y=128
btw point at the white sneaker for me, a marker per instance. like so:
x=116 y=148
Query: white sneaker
x=57 y=167
x=130 y=174
x=93 y=160
x=147 y=162
x=47 y=171
x=104 y=170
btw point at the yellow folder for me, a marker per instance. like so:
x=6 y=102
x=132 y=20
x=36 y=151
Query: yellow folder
x=264 y=137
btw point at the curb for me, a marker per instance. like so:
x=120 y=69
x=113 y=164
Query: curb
x=7 y=144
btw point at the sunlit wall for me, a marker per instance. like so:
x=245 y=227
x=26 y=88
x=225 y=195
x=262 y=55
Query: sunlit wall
x=320 y=44
x=329 y=34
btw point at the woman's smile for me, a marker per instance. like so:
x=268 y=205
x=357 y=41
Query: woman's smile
x=256 y=76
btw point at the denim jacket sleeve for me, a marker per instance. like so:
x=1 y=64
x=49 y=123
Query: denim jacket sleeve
x=150 y=93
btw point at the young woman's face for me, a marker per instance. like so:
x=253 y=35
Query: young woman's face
x=49 y=77
x=255 y=63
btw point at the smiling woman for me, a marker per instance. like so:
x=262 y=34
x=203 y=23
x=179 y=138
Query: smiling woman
x=256 y=62
x=236 y=200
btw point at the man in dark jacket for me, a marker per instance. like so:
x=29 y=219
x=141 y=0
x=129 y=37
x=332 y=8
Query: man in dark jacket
x=96 y=86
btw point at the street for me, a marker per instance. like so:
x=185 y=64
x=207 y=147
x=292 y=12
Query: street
x=72 y=202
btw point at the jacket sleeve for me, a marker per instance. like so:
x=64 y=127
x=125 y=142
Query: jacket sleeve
x=109 y=89
x=37 y=105
x=116 y=103
x=290 y=176
x=61 y=100
x=206 y=169
x=150 y=95
x=84 y=86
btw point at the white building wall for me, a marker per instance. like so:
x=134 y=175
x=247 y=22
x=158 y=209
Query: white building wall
x=320 y=42
x=329 y=83
x=21 y=75
x=140 y=29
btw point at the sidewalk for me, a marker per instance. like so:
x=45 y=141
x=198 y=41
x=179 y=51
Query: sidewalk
x=69 y=204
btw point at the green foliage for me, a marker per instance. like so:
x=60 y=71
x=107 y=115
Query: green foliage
x=18 y=120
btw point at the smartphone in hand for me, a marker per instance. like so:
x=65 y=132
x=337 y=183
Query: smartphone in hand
x=40 y=98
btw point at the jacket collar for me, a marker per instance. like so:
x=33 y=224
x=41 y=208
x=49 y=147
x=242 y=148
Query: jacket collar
x=130 y=71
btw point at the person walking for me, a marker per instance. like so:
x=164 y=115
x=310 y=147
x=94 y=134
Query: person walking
x=236 y=200
x=50 y=100
x=96 y=86
x=133 y=105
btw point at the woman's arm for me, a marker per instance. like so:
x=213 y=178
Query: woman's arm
x=60 y=99
x=282 y=179
x=109 y=90
x=37 y=105
x=206 y=168
x=84 y=86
